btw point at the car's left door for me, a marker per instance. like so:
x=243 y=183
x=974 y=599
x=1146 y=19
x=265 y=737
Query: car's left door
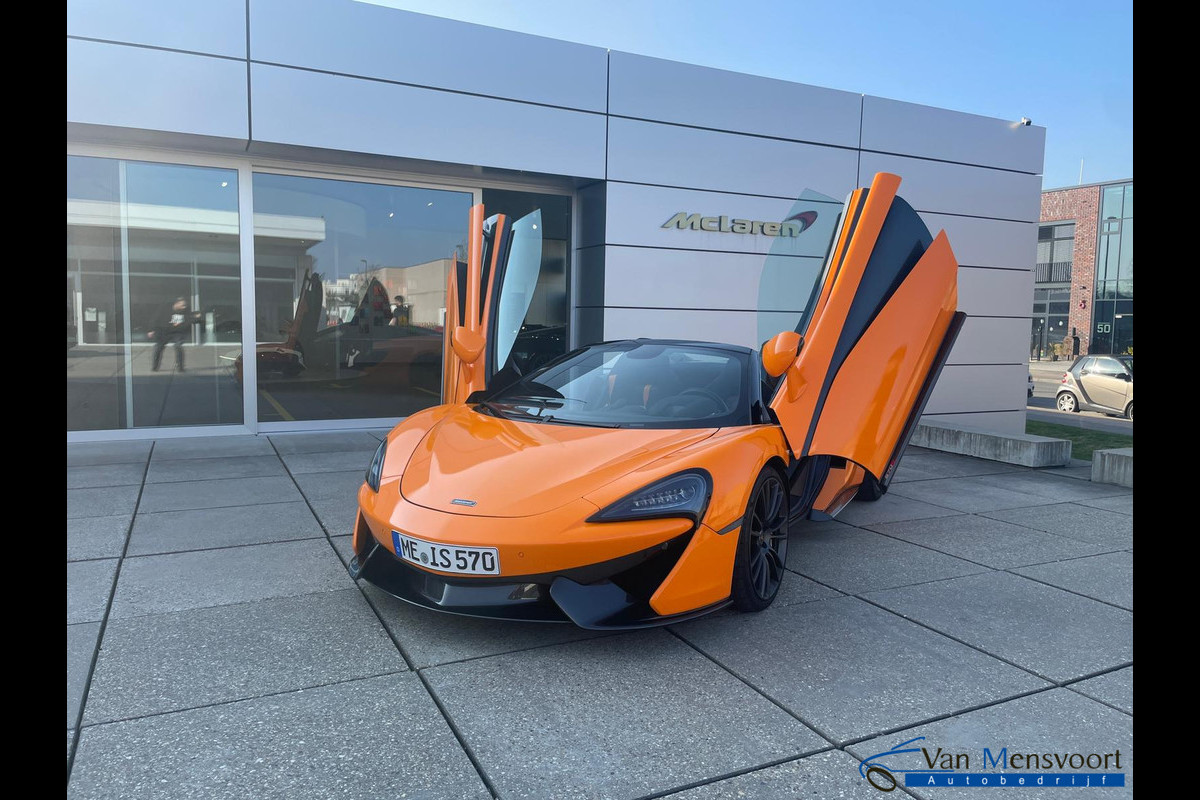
x=487 y=298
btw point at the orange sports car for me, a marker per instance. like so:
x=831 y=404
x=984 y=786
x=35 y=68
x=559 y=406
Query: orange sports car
x=643 y=482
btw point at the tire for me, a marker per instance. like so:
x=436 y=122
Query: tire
x=1067 y=401
x=762 y=544
x=1129 y=412
x=870 y=491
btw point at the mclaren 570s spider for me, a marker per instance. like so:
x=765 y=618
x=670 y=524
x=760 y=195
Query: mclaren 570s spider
x=646 y=481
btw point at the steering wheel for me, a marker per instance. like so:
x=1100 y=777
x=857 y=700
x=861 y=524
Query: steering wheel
x=713 y=397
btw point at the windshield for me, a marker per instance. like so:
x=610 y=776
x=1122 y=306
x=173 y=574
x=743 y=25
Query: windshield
x=1128 y=362
x=633 y=385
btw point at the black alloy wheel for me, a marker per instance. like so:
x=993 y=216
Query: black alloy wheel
x=762 y=544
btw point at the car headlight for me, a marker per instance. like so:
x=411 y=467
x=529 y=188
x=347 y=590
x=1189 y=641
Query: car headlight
x=685 y=494
x=376 y=468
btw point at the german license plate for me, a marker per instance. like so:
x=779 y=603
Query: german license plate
x=447 y=557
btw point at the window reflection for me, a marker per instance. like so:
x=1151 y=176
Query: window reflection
x=350 y=283
x=153 y=293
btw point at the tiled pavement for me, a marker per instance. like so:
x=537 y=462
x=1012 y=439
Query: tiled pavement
x=217 y=648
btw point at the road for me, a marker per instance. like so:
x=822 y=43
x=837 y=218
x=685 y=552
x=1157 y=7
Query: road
x=1047 y=375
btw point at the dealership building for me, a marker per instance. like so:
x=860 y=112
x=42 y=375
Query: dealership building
x=253 y=176
x=1083 y=277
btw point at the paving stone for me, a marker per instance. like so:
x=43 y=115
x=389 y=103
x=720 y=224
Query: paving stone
x=1073 y=520
x=1079 y=473
x=325 y=442
x=333 y=497
x=96 y=537
x=1107 y=577
x=101 y=502
x=825 y=775
x=1041 y=483
x=167 y=662
x=1056 y=721
x=799 y=589
x=179 y=581
x=987 y=541
x=1114 y=688
x=207 y=528
x=205 y=469
x=855 y=561
x=216 y=494
x=84 y=453
x=933 y=465
x=308 y=463
x=81 y=646
x=850 y=669
x=613 y=717
x=434 y=637
x=88 y=587
x=379 y=737
x=212 y=447
x=98 y=475
x=1051 y=632
x=892 y=507
x=970 y=495
x=1121 y=504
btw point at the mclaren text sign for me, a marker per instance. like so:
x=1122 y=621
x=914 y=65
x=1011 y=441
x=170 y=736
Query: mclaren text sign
x=792 y=226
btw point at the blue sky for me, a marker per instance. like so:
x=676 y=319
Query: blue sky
x=1067 y=65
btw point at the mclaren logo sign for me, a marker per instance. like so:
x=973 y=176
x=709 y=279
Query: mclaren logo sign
x=792 y=226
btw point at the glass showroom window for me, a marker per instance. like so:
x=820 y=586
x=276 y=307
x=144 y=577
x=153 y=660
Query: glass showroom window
x=153 y=295
x=350 y=284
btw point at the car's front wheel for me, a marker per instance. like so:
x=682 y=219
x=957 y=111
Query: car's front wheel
x=1067 y=402
x=762 y=544
x=1129 y=412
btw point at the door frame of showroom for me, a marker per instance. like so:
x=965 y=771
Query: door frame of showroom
x=246 y=167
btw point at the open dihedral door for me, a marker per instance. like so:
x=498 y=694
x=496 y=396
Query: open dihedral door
x=487 y=298
x=875 y=338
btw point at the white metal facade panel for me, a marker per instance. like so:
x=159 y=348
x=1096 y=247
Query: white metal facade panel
x=670 y=91
x=995 y=292
x=377 y=42
x=988 y=242
x=979 y=388
x=216 y=27
x=893 y=126
x=957 y=189
x=651 y=277
x=992 y=340
x=157 y=90
x=670 y=155
x=375 y=117
x=994 y=421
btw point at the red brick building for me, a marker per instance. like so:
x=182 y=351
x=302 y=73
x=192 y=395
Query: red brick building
x=1083 y=278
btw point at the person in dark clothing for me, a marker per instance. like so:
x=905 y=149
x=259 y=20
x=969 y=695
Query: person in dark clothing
x=172 y=327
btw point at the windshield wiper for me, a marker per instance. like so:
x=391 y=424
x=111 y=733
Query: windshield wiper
x=545 y=401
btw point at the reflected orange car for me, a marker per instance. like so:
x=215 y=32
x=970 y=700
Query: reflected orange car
x=643 y=482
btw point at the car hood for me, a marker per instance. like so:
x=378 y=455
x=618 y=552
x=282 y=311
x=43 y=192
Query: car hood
x=504 y=468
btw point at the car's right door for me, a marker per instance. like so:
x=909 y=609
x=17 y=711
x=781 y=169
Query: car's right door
x=875 y=337
x=1106 y=384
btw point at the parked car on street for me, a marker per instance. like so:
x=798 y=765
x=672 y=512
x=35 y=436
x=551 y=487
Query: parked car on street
x=1098 y=383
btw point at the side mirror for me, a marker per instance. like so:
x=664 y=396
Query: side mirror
x=780 y=351
x=1125 y=376
x=467 y=344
